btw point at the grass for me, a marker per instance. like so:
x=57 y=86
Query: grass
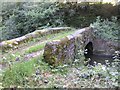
x=17 y=73
x=64 y=34
x=59 y=35
x=35 y=48
x=49 y=36
x=24 y=74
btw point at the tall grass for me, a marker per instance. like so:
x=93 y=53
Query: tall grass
x=17 y=73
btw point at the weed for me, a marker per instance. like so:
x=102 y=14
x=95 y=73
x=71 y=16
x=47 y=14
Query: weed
x=61 y=69
x=17 y=73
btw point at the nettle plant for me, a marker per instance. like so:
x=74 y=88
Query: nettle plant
x=106 y=29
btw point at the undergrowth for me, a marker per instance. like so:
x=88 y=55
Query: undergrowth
x=37 y=73
x=15 y=75
x=107 y=29
x=18 y=74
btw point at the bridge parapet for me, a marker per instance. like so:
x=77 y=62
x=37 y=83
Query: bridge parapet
x=14 y=43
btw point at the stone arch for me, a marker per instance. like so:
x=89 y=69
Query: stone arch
x=88 y=50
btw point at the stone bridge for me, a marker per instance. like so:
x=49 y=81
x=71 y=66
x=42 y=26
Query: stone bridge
x=65 y=49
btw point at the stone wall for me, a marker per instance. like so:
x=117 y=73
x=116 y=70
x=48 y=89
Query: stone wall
x=13 y=43
x=64 y=50
x=105 y=47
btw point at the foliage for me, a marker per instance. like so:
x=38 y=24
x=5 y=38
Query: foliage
x=107 y=29
x=32 y=73
x=25 y=74
x=98 y=75
x=21 y=18
x=79 y=58
x=16 y=74
x=104 y=76
x=82 y=14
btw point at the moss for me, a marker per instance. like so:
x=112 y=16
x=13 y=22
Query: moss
x=63 y=41
x=53 y=60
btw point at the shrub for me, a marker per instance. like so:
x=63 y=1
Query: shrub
x=82 y=14
x=21 y=18
x=106 y=29
x=24 y=17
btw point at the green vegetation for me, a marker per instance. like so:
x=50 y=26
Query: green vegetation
x=82 y=14
x=64 y=34
x=107 y=29
x=35 y=48
x=17 y=73
x=20 y=18
x=37 y=73
x=20 y=69
x=102 y=76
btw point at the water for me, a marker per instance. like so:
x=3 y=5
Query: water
x=100 y=58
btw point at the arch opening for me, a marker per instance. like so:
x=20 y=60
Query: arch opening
x=88 y=52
